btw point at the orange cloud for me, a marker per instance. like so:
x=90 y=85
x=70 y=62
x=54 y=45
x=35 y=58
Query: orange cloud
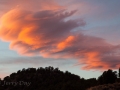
x=66 y=43
x=94 y=61
x=35 y=32
x=49 y=33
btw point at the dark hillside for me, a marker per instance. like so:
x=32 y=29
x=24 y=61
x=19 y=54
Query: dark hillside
x=48 y=78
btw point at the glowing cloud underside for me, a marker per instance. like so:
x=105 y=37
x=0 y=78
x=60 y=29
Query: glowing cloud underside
x=50 y=34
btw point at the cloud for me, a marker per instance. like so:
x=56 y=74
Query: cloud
x=37 y=31
x=35 y=61
x=92 y=52
x=29 y=4
x=49 y=33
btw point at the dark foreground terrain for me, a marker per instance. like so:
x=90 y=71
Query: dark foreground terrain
x=115 y=86
x=50 y=78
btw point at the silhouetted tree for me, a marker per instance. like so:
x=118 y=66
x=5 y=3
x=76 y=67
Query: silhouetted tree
x=119 y=73
x=47 y=78
x=107 y=77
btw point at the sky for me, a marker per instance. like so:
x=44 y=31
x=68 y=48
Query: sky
x=80 y=36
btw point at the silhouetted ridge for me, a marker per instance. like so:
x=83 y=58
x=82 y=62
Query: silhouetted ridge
x=47 y=78
x=50 y=78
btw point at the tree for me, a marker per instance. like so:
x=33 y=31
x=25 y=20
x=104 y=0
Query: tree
x=119 y=73
x=107 y=77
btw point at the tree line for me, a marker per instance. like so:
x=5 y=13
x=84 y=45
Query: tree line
x=50 y=78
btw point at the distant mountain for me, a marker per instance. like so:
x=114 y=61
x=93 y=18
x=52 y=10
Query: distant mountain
x=47 y=78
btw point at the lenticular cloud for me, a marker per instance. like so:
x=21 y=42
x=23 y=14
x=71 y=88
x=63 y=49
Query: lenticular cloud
x=50 y=33
x=36 y=32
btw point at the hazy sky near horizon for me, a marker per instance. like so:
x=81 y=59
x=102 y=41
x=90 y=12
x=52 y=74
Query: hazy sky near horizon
x=81 y=36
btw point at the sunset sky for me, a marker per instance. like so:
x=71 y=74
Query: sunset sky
x=81 y=36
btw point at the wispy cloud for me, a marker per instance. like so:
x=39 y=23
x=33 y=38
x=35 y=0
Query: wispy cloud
x=50 y=33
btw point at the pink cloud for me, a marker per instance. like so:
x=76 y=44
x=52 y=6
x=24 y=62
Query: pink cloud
x=48 y=32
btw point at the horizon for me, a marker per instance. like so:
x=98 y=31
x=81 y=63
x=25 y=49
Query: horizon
x=78 y=36
x=117 y=72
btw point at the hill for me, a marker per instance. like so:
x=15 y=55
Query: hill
x=47 y=78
